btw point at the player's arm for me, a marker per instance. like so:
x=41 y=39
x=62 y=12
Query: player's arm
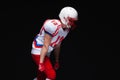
x=47 y=41
x=57 y=52
x=48 y=29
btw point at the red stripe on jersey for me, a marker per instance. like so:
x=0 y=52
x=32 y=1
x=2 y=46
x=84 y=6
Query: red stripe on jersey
x=61 y=39
x=54 y=43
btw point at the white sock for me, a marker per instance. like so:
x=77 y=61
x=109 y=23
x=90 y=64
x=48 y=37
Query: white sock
x=47 y=79
x=35 y=78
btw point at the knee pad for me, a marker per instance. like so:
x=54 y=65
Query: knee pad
x=51 y=74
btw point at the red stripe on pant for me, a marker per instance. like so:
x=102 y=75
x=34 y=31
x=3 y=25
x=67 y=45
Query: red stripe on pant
x=49 y=72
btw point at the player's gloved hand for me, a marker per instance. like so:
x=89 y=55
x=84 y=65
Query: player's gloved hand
x=56 y=66
x=41 y=67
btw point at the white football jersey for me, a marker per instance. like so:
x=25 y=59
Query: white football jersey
x=54 y=29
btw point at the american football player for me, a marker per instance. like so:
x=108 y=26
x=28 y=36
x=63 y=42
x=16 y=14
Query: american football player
x=48 y=39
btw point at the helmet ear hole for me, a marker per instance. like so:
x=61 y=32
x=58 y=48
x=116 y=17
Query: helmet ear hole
x=64 y=18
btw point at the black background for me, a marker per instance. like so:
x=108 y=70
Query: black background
x=86 y=50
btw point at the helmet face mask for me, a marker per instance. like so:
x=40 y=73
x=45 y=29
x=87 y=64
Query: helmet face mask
x=68 y=16
x=72 y=21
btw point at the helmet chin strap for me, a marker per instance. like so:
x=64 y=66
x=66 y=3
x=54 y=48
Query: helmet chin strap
x=68 y=26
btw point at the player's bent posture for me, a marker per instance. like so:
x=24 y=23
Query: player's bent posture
x=48 y=39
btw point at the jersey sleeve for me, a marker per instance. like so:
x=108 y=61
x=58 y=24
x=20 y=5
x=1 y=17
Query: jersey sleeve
x=50 y=28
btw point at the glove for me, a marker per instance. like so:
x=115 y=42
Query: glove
x=56 y=66
x=41 y=67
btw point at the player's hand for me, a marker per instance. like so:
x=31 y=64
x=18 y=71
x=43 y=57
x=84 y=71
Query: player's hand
x=56 y=66
x=41 y=67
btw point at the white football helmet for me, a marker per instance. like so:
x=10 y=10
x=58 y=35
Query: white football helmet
x=68 y=15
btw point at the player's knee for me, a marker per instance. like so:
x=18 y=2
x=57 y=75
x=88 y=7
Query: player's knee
x=52 y=75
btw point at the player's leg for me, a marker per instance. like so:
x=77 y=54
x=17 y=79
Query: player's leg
x=40 y=75
x=49 y=71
